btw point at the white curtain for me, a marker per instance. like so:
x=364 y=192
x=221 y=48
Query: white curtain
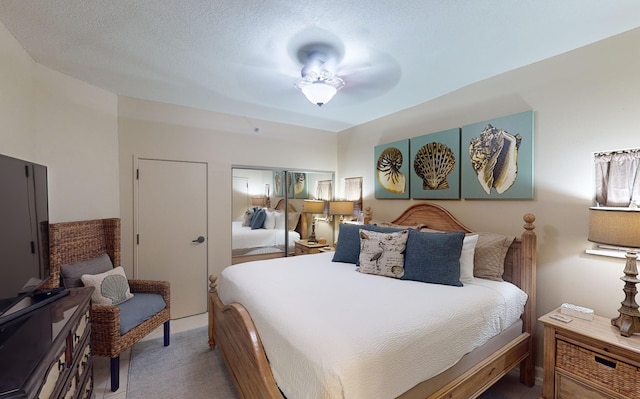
x=324 y=191
x=353 y=192
x=617 y=177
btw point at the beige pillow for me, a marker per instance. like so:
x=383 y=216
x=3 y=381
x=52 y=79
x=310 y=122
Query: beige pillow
x=111 y=287
x=293 y=220
x=380 y=223
x=382 y=253
x=491 y=250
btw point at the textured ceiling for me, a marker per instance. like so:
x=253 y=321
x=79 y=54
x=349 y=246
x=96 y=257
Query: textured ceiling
x=241 y=56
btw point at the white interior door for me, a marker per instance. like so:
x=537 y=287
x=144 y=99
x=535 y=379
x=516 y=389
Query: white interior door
x=171 y=230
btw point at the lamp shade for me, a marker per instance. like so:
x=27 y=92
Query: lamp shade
x=341 y=208
x=258 y=201
x=313 y=206
x=615 y=226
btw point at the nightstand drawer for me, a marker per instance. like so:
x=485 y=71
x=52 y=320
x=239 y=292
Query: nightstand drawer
x=568 y=388
x=600 y=370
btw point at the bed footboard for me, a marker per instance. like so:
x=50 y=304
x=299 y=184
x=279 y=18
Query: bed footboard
x=231 y=328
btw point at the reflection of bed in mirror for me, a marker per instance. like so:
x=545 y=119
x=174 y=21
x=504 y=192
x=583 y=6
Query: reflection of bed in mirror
x=267 y=243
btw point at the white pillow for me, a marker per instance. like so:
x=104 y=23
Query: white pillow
x=270 y=220
x=111 y=287
x=466 y=257
x=280 y=218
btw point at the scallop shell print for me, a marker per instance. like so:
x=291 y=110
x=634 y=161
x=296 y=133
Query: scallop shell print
x=433 y=163
x=115 y=288
x=388 y=170
x=494 y=158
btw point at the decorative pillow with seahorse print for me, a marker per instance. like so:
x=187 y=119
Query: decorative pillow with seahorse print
x=382 y=253
x=111 y=287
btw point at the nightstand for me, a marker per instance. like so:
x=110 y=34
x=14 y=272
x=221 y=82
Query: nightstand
x=588 y=360
x=303 y=247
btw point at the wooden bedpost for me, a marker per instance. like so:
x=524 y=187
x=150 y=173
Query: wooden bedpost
x=210 y=304
x=529 y=240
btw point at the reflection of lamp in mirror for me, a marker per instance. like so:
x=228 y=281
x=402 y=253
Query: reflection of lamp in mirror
x=341 y=208
x=620 y=227
x=267 y=192
x=313 y=207
x=259 y=201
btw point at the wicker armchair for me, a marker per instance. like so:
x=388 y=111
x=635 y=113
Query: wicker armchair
x=72 y=242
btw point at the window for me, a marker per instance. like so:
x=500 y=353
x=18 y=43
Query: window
x=617 y=175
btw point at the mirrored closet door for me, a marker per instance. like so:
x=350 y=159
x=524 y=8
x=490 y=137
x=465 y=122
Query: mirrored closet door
x=269 y=213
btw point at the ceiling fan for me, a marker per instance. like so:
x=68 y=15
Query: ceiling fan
x=319 y=82
x=319 y=65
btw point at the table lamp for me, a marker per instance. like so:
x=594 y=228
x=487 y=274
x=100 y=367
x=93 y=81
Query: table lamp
x=313 y=207
x=620 y=227
x=258 y=201
x=341 y=208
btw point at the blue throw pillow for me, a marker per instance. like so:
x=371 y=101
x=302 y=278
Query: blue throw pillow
x=348 y=246
x=257 y=221
x=433 y=257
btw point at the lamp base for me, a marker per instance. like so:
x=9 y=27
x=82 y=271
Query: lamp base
x=312 y=238
x=629 y=319
x=628 y=324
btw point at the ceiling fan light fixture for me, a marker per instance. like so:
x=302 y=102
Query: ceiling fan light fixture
x=318 y=83
x=318 y=92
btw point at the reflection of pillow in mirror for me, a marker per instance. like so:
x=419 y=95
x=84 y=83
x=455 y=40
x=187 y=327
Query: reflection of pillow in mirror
x=293 y=220
x=246 y=218
x=258 y=219
x=280 y=218
x=269 y=220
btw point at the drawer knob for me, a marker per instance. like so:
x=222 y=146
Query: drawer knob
x=605 y=362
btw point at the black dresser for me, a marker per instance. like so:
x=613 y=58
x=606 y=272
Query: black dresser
x=47 y=353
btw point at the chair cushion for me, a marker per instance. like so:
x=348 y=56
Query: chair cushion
x=138 y=309
x=71 y=273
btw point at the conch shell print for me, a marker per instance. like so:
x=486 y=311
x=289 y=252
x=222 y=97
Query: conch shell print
x=298 y=183
x=388 y=170
x=494 y=158
x=433 y=163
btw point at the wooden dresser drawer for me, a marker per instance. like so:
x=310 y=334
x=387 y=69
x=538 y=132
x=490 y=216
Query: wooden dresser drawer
x=600 y=370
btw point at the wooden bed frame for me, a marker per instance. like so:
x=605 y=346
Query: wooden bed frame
x=231 y=327
x=301 y=228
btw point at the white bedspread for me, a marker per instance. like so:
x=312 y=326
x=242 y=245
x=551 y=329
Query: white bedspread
x=331 y=332
x=244 y=237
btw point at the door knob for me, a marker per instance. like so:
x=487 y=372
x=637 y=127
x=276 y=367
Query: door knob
x=199 y=240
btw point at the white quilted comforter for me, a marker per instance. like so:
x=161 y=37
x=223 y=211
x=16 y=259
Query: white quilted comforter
x=244 y=237
x=331 y=332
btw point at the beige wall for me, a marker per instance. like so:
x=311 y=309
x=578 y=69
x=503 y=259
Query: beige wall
x=154 y=130
x=584 y=101
x=65 y=124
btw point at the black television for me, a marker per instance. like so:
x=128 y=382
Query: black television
x=24 y=235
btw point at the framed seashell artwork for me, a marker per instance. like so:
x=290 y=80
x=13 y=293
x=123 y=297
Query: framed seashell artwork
x=435 y=165
x=392 y=170
x=497 y=158
x=294 y=184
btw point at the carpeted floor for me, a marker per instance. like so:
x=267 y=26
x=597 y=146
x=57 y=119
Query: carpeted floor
x=195 y=370
x=188 y=369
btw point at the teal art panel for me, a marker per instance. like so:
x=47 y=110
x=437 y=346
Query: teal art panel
x=497 y=158
x=435 y=165
x=391 y=170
